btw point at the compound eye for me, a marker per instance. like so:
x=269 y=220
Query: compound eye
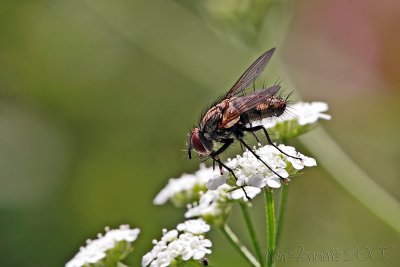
x=196 y=143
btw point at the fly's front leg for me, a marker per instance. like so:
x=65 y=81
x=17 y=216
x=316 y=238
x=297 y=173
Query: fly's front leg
x=220 y=169
x=214 y=154
x=260 y=127
x=221 y=164
x=226 y=144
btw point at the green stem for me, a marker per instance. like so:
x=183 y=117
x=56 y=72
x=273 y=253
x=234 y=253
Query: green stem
x=281 y=214
x=235 y=242
x=252 y=232
x=271 y=227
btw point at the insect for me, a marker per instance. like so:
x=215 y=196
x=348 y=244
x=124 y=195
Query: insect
x=231 y=117
x=204 y=261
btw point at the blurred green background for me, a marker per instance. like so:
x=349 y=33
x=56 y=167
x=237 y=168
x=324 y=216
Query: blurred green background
x=96 y=99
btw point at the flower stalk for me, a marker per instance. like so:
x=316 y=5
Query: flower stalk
x=271 y=227
x=240 y=248
x=281 y=213
x=252 y=232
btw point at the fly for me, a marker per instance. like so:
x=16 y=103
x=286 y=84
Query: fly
x=229 y=119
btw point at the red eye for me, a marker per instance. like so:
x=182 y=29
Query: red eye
x=197 y=145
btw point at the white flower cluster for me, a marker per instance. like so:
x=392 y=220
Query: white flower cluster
x=251 y=171
x=186 y=242
x=96 y=250
x=209 y=204
x=214 y=205
x=184 y=185
x=302 y=112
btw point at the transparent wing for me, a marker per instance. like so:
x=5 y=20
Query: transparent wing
x=251 y=73
x=250 y=101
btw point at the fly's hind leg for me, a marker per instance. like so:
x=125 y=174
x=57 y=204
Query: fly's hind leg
x=259 y=158
x=260 y=127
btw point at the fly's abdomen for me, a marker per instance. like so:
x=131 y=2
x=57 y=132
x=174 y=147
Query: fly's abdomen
x=274 y=107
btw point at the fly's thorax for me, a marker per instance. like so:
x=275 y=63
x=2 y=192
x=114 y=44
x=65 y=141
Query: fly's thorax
x=212 y=118
x=230 y=116
x=215 y=113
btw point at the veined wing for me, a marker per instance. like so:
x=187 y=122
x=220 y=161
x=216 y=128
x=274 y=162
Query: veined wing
x=250 y=101
x=239 y=105
x=251 y=73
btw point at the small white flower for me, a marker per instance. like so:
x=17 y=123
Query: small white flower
x=309 y=113
x=212 y=204
x=194 y=226
x=123 y=233
x=296 y=163
x=274 y=182
x=184 y=185
x=215 y=206
x=217 y=180
x=185 y=243
x=251 y=192
x=169 y=236
x=196 y=246
x=95 y=250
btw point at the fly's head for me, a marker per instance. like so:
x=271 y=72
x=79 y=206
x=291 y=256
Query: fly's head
x=198 y=143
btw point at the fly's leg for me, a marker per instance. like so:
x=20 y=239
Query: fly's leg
x=221 y=164
x=258 y=157
x=226 y=144
x=255 y=136
x=214 y=154
x=260 y=127
x=241 y=146
x=253 y=133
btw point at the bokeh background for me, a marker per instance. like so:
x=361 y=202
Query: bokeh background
x=96 y=99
